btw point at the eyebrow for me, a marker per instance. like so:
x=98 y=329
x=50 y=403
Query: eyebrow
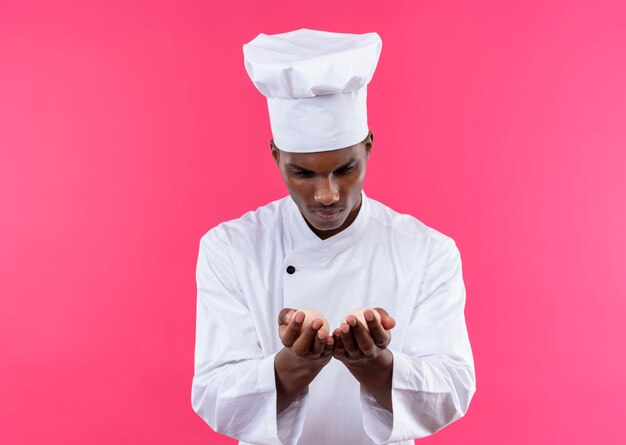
x=297 y=168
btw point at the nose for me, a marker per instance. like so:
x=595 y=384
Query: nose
x=327 y=192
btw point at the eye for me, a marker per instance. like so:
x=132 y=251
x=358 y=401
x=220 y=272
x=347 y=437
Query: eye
x=302 y=173
x=345 y=170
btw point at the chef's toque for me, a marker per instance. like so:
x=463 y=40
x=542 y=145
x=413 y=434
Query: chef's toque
x=316 y=86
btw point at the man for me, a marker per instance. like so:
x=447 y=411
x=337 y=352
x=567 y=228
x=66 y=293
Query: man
x=264 y=374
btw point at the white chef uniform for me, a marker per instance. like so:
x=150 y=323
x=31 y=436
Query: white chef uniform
x=383 y=259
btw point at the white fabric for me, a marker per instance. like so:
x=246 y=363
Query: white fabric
x=316 y=86
x=383 y=259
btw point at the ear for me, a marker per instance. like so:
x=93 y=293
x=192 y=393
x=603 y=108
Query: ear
x=369 y=144
x=275 y=151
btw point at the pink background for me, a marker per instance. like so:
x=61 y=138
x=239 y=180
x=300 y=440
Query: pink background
x=130 y=128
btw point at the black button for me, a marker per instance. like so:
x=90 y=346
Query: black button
x=290 y=269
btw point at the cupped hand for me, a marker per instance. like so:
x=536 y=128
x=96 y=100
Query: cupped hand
x=309 y=343
x=354 y=345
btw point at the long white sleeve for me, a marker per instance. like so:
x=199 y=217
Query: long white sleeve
x=234 y=387
x=433 y=373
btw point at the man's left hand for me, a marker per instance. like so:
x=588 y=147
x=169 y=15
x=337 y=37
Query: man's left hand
x=365 y=354
x=355 y=346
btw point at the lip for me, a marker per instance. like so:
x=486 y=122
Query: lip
x=326 y=215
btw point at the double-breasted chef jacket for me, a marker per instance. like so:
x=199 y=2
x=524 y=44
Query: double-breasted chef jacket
x=250 y=268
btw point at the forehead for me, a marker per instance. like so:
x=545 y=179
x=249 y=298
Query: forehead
x=323 y=160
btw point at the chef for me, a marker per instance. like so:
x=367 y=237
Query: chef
x=265 y=373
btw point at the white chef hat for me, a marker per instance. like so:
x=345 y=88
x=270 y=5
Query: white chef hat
x=316 y=86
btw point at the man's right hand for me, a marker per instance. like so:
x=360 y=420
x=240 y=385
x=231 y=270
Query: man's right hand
x=306 y=351
x=312 y=343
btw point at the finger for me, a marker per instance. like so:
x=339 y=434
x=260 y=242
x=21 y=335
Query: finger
x=337 y=341
x=386 y=320
x=329 y=347
x=291 y=332
x=363 y=340
x=304 y=342
x=337 y=338
x=339 y=352
x=378 y=334
x=285 y=315
x=320 y=341
x=348 y=341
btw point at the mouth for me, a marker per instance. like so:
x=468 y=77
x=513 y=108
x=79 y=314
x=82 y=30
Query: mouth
x=327 y=214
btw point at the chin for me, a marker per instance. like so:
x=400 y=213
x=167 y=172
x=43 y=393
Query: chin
x=327 y=225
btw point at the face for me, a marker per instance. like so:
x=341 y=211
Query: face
x=326 y=186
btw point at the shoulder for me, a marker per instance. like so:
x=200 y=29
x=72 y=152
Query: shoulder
x=407 y=229
x=251 y=226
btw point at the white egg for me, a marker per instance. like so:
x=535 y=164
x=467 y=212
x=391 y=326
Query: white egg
x=311 y=314
x=358 y=313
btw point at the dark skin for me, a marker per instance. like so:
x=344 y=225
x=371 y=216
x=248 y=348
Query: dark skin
x=326 y=187
x=325 y=183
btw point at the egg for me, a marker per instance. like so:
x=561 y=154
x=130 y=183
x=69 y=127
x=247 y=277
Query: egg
x=358 y=313
x=311 y=314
